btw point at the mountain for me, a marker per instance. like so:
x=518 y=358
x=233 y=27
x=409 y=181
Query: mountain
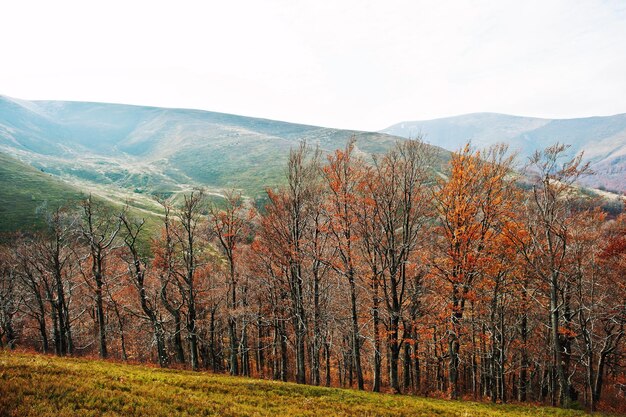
x=149 y=149
x=128 y=153
x=25 y=190
x=56 y=151
x=602 y=139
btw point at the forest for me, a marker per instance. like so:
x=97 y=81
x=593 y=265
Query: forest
x=380 y=274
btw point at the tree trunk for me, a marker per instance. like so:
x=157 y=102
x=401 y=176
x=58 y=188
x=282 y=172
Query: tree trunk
x=563 y=394
x=327 y=357
x=102 y=340
x=178 y=339
x=234 y=350
x=377 y=342
x=597 y=386
x=406 y=371
x=523 y=375
x=356 y=337
x=191 y=329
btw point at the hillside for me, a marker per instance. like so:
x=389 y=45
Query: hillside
x=149 y=149
x=24 y=189
x=35 y=385
x=603 y=139
x=128 y=153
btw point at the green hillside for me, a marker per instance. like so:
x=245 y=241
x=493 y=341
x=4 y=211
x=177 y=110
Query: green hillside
x=23 y=189
x=35 y=385
x=150 y=149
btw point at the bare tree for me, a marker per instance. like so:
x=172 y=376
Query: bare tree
x=189 y=217
x=137 y=266
x=547 y=247
x=396 y=192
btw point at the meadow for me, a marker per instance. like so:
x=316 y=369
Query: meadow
x=38 y=385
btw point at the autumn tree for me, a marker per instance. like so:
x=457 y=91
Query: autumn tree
x=189 y=218
x=472 y=203
x=291 y=231
x=9 y=298
x=227 y=225
x=343 y=175
x=597 y=296
x=547 y=245
x=171 y=291
x=55 y=256
x=396 y=191
x=137 y=270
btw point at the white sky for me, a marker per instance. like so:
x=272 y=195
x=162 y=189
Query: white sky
x=351 y=64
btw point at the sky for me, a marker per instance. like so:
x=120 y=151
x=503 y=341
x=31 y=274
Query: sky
x=348 y=64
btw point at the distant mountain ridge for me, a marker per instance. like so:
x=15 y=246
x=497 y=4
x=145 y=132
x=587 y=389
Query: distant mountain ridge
x=602 y=139
x=161 y=149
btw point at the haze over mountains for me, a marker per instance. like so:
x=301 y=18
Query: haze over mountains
x=602 y=139
x=123 y=152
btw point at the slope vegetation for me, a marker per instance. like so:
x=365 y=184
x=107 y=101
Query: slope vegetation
x=23 y=190
x=34 y=385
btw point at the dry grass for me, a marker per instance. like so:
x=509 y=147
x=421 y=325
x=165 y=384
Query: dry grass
x=37 y=385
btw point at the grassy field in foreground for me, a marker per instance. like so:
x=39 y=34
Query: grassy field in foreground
x=36 y=385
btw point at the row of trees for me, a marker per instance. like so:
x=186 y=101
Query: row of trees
x=383 y=274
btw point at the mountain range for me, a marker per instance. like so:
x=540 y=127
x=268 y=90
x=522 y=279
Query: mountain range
x=601 y=139
x=55 y=150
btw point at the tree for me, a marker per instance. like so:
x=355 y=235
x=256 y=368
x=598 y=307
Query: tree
x=55 y=254
x=547 y=245
x=228 y=226
x=472 y=204
x=396 y=191
x=189 y=217
x=291 y=231
x=171 y=288
x=344 y=178
x=137 y=266
x=98 y=228
x=9 y=299
x=598 y=294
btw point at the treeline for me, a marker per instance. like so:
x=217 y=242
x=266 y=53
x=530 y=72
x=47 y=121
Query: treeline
x=382 y=274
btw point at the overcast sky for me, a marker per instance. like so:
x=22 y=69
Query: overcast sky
x=351 y=64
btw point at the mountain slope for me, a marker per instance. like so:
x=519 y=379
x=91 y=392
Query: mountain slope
x=24 y=189
x=149 y=149
x=603 y=139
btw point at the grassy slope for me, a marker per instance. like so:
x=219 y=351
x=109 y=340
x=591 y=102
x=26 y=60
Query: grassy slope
x=23 y=189
x=35 y=385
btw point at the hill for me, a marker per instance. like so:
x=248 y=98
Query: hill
x=150 y=149
x=128 y=153
x=603 y=139
x=23 y=189
x=35 y=385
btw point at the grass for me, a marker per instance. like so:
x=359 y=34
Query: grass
x=37 y=385
x=23 y=189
